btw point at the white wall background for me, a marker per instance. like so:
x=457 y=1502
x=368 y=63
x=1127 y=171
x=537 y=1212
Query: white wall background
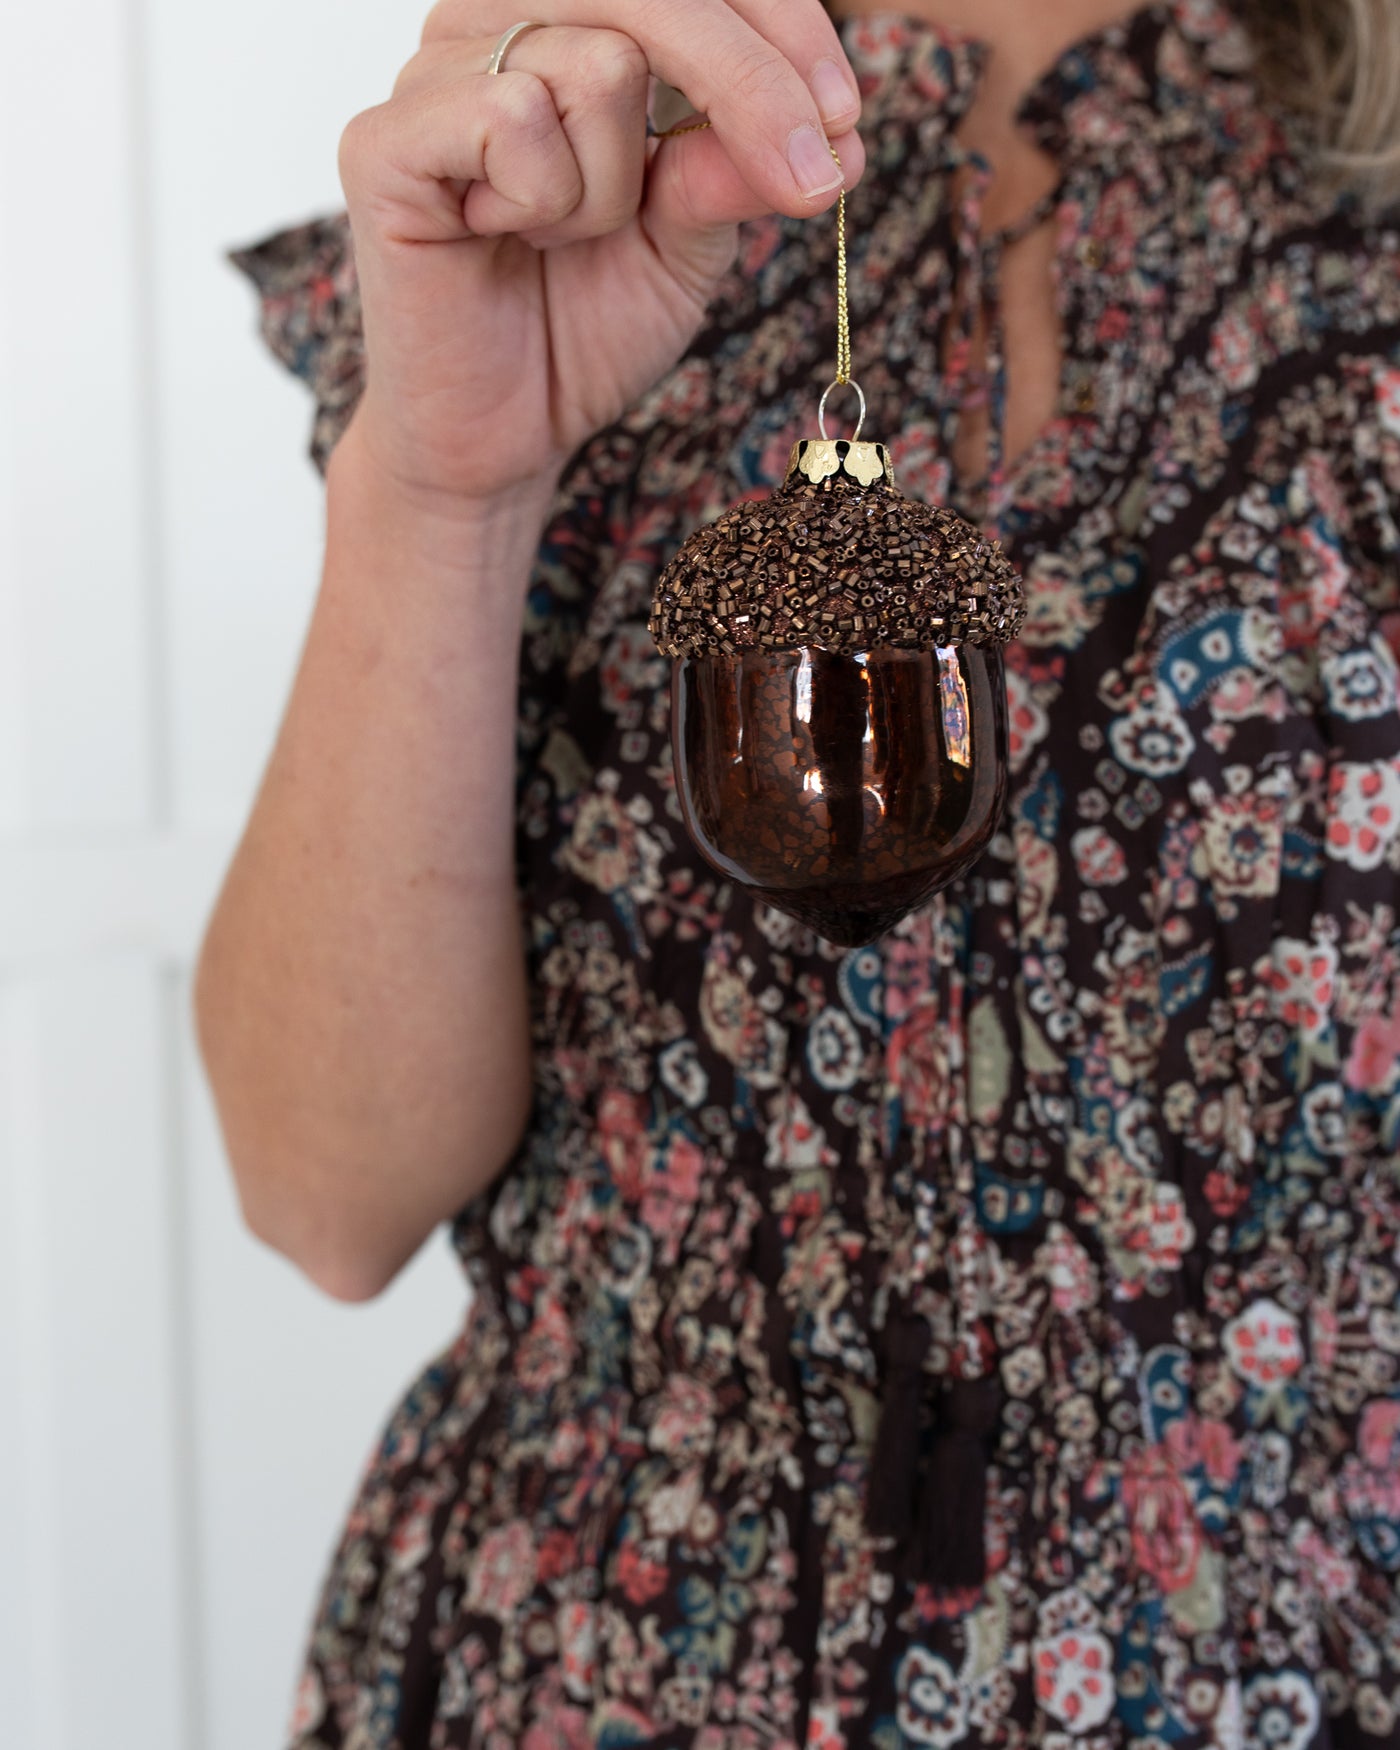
x=182 y=1418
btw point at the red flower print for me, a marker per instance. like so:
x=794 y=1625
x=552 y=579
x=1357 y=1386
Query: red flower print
x=684 y=1421
x=1302 y=978
x=1375 y=1053
x=623 y=1141
x=1234 y=352
x=558 y=1553
x=671 y=1193
x=824 y=1729
x=578 y=1641
x=918 y=1067
x=1263 y=1344
x=546 y=1352
x=1026 y=719
x=1363 y=811
x=564 y=1728
x=1198 y=1440
x=1388 y=399
x=1069 y=1270
x=1098 y=857
x=503 y=1570
x=1378 y=1440
x=1225 y=1195
x=1166 y=1535
x=641 y=1578
x=1074 y=1679
x=309 y=1706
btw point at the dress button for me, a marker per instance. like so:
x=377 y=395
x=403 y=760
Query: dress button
x=1094 y=254
x=1085 y=397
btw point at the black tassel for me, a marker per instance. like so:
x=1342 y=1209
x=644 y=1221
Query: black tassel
x=894 y=1459
x=950 y=1547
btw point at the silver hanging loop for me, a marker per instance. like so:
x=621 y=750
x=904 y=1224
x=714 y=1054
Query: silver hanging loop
x=836 y=383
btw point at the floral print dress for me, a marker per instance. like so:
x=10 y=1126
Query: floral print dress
x=1058 y=1231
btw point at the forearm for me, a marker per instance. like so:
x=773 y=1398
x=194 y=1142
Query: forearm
x=361 y=997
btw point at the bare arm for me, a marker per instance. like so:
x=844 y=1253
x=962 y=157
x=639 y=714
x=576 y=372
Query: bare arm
x=360 y=996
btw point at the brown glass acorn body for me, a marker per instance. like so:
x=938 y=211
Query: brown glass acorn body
x=839 y=729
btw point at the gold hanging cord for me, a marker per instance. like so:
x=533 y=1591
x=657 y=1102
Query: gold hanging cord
x=843 y=378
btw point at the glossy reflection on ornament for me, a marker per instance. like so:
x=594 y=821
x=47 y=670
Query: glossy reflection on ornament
x=844 y=790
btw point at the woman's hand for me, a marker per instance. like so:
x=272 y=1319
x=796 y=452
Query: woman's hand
x=528 y=262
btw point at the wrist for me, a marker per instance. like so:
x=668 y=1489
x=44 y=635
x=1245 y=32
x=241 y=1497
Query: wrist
x=444 y=532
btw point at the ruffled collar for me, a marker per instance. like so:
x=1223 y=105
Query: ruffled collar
x=1168 y=72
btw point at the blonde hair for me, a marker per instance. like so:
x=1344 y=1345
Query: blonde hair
x=1336 y=63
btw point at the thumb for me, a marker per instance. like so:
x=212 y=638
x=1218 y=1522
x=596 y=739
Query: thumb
x=695 y=196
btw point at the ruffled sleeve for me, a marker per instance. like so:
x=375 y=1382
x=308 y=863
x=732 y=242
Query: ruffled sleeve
x=309 y=300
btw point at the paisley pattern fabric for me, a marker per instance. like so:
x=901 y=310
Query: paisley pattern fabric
x=1113 y=1126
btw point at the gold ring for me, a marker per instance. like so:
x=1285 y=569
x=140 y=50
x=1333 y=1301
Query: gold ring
x=502 y=48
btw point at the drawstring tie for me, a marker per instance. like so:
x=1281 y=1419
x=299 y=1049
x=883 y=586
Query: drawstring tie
x=894 y=1459
x=934 y=1509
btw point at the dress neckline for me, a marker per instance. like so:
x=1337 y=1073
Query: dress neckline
x=1127 y=103
x=1176 y=65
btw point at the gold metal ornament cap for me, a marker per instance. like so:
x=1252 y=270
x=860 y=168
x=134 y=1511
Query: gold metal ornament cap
x=836 y=559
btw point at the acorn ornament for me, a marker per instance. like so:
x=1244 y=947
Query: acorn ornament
x=838 y=722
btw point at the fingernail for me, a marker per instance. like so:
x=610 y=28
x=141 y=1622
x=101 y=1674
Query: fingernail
x=835 y=97
x=814 y=170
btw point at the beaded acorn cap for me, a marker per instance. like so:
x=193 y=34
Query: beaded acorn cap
x=836 y=559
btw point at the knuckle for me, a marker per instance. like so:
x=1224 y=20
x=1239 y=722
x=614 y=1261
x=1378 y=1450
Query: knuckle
x=443 y=21
x=760 y=80
x=612 y=64
x=522 y=103
x=600 y=218
x=360 y=142
x=556 y=205
x=411 y=73
x=549 y=208
x=651 y=18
